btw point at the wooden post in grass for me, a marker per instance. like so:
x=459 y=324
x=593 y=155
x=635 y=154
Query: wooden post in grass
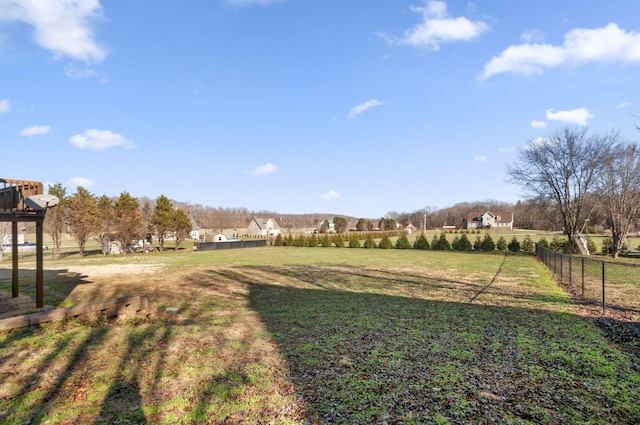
x=603 y=303
x=582 y=278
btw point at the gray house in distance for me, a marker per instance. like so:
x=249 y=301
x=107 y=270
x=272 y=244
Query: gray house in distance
x=260 y=226
x=489 y=220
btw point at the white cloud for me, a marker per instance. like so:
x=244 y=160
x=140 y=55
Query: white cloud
x=99 y=140
x=35 y=130
x=606 y=44
x=264 y=170
x=437 y=27
x=579 y=116
x=80 y=181
x=5 y=106
x=364 y=106
x=624 y=104
x=532 y=36
x=508 y=149
x=480 y=158
x=331 y=194
x=64 y=27
x=78 y=73
x=538 y=124
x=537 y=142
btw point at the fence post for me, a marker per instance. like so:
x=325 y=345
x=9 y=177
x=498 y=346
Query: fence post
x=561 y=267
x=582 y=272
x=603 y=304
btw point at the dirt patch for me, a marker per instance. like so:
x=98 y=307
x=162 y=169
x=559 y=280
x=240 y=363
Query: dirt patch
x=10 y=307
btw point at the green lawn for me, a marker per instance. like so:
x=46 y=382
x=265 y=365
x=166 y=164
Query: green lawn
x=321 y=335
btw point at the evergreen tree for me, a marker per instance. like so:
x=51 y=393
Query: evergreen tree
x=105 y=216
x=279 y=241
x=369 y=242
x=514 y=245
x=527 y=244
x=354 y=242
x=434 y=242
x=288 y=241
x=338 y=241
x=488 y=244
x=443 y=244
x=385 y=243
x=82 y=216
x=464 y=244
x=163 y=220
x=477 y=245
x=403 y=242
x=182 y=226
x=501 y=245
x=127 y=220
x=313 y=241
x=543 y=242
x=300 y=241
x=325 y=241
x=455 y=244
x=421 y=242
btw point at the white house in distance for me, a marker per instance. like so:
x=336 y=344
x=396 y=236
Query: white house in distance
x=489 y=220
x=260 y=226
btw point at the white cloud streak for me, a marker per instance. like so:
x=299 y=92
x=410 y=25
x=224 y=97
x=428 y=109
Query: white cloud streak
x=538 y=124
x=80 y=181
x=580 y=46
x=35 y=130
x=64 y=27
x=330 y=195
x=437 y=27
x=357 y=110
x=99 y=140
x=264 y=170
x=5 y=106
x=481 y=158
x=578 y=116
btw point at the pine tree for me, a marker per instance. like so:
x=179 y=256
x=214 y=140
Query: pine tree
x=385 y=243
x=338 y=241
x=443 y=244
x=514 y=245
x=421 y=242
x=313 y=241
x=279 y=241
x=403 y=242
x=369 y=242
x=528 y=245
x=325 y=241
x=501 y=245
x=487 y=243
x=354 y=242
x=465 y=243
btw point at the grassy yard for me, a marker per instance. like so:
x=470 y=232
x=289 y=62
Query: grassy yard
x=315 y=335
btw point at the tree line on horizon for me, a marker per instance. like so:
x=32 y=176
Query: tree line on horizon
x=575 y=182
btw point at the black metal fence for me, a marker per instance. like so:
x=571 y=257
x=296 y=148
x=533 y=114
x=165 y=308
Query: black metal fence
x=611 y=284
x=209 y=246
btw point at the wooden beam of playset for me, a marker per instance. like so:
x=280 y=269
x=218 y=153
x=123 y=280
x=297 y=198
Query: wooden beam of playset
x=13 y=193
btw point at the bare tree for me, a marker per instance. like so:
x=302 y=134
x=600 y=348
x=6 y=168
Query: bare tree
x=55 y=220
x=562 y=168
x=619 y=188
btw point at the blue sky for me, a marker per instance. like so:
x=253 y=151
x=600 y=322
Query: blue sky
x=350 y=107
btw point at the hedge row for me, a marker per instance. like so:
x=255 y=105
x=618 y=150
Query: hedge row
x=438 y=243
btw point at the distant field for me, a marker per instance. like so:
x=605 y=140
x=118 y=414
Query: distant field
x=319 y=335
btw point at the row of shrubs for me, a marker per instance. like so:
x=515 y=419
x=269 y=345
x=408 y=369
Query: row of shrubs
x=438 y=243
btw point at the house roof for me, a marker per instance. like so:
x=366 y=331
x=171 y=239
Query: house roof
x=505 y=217
x=262 y=222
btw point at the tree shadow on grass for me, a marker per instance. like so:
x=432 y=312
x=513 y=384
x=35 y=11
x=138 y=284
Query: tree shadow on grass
x=367 y=358
x=58 y=284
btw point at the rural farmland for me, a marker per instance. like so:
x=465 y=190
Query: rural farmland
x=316 y=335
